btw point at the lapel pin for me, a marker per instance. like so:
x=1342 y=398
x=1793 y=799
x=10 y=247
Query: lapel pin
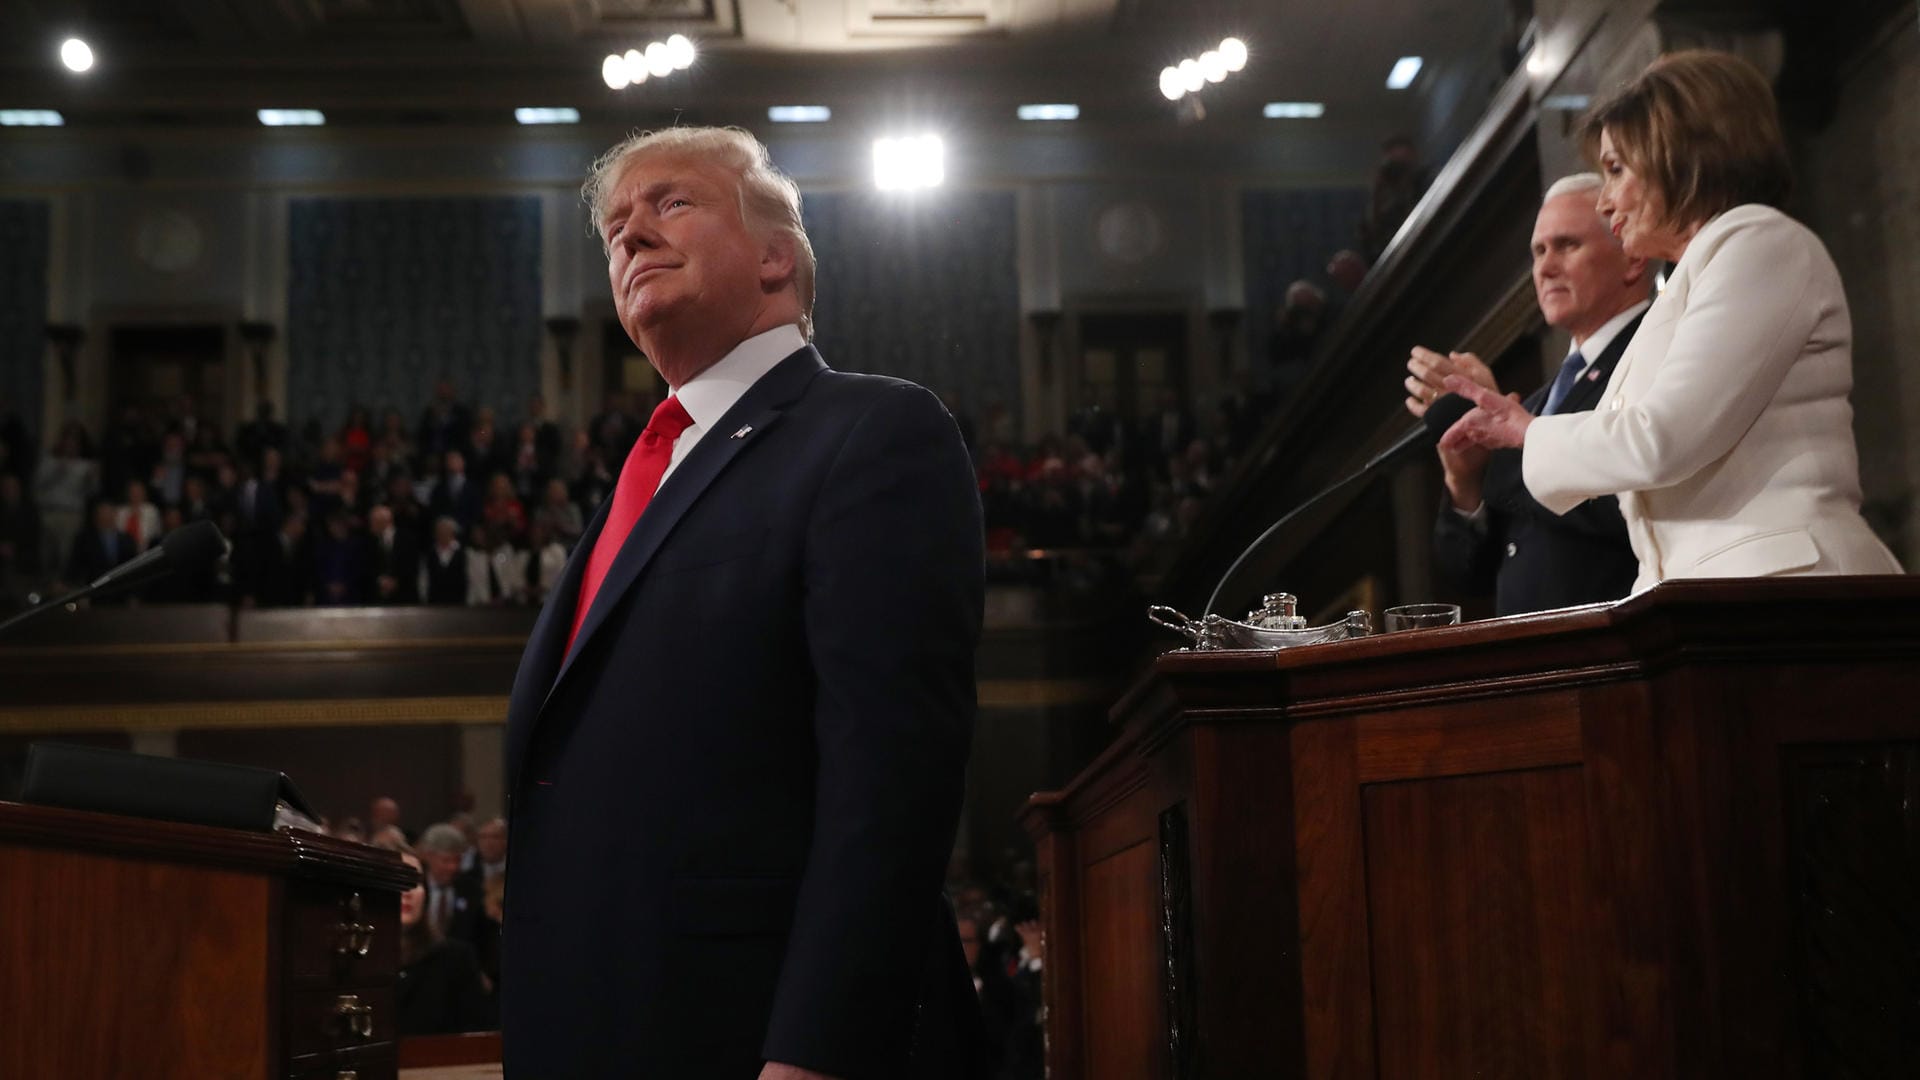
x=1594 y=375
x=744 y=431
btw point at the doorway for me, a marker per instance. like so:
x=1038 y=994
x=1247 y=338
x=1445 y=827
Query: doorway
x=153 y=367
x=1130 y=363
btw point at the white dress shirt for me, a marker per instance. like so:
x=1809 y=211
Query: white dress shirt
x=708 y=395
x=1598 y=341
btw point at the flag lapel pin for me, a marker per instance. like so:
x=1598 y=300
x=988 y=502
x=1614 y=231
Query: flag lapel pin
x=745 y=430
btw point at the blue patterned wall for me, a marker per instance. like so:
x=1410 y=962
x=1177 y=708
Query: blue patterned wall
x=24 y=233
x=386 y=296
x=1289 y=235
x=926 y=290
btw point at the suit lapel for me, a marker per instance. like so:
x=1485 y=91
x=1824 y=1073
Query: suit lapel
x=758 y=409
x=1592 y=383
x=544 y=646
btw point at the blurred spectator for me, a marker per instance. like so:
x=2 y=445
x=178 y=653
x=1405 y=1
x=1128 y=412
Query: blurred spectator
x=1398 y=182
x=546 y=433
x=440 y=989
x=382 y=812
x=62 y=485
x=503 y=513
x=1296 y=331
x=340 y=563
x=393 y=561
x=445 y=424
x=100 y=548
x=356 y=439
x=559 y=514
x=1347 y=269
x=453 y=905
x=168 y=480
x=546 y=561
x=138 y=518
x=261 y=434
x=282 y=574
x=443 y=573
x=455 y=495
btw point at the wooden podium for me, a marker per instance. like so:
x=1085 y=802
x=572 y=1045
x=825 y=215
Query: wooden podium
x=132 y=948
x=1674 y=837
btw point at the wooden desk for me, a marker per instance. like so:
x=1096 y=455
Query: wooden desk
x=179 y=952
x=1677 y=837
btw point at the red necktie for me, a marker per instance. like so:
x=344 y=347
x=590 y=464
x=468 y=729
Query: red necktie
x=638 y=479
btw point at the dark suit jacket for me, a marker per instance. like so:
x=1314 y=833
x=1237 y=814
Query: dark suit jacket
x=1530 y=558
x=441 y=993
x=732 y=803
x=402 y=563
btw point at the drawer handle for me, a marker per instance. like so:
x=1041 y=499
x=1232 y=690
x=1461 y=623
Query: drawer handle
x=352 y=1017
x=352 y=936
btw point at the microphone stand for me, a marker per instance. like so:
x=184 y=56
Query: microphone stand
x=66 y=601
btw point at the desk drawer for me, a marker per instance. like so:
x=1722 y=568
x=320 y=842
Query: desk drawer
x=323 y=1021
x=341 y=936
x=367 y=1063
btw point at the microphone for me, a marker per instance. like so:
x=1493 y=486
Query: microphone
x=1442 y=413
x=184 y=550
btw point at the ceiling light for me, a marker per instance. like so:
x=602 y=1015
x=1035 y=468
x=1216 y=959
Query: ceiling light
x=680 y=51
x=1171 y=84
x=1403 y=73
x=1048 y=112
x=908 y=164
x=1294 y=110
x=799 y=114
x=614 y=70
x=1191 y=77
x=1537 y=64
x=292 y=117
x=547 y=116
x=1213 y=66
x=636 y=65
x=1565 y=102
x=76 y=54
x=1234 y=52
x=658 y=62
x=30 y=118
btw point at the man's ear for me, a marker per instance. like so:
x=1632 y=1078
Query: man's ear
x=777 y=261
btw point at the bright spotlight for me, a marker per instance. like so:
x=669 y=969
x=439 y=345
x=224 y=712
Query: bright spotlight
x=76 y=54
x=636 y=64
x=1171 y=84
x=1213 y=66
x=1405 y=70
x=614 y=70
x=680 y=51
x=1191 y=77
x=658 y=62
x=1234 y=52
x=909 y=164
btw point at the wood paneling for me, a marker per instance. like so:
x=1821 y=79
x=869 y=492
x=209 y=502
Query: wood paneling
x=93 y=945
x=1124 y=1033
x=1481 y=937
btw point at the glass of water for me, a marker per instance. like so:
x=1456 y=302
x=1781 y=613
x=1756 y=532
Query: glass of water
x=1420 y=616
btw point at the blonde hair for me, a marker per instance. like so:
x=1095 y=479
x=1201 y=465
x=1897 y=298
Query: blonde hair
x=1701 y=128
x=769 y=199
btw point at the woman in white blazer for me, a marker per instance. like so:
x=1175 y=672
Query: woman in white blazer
x=1725 y=429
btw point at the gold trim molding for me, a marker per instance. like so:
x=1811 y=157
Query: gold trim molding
x=173 y=716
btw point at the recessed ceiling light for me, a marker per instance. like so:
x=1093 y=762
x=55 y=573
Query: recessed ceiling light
x=799 y=114
x=907 y=164
x=1234 y=52
x=680 y=51
x=1213 y=66
x=614 y=71
x=1191 y=77
x=547 y=116
x=659 y=61
x=1048 y=112
x=635 y=62
x=1294 y=110
x=1404 y=73
x=1565 y=102
x=1171 y=84
x=76 y=54
x=30 y=118
x=291 y=117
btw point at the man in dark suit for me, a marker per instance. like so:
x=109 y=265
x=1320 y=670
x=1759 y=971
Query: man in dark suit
x=393 y=561
x=736 y=744
x=99 y=549
x=1491 y=535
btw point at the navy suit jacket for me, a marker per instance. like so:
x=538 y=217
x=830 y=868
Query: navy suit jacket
x=1530 y=558
x=733 y=801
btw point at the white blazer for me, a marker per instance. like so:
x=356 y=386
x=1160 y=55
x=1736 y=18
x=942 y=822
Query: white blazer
x=1725 y=428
